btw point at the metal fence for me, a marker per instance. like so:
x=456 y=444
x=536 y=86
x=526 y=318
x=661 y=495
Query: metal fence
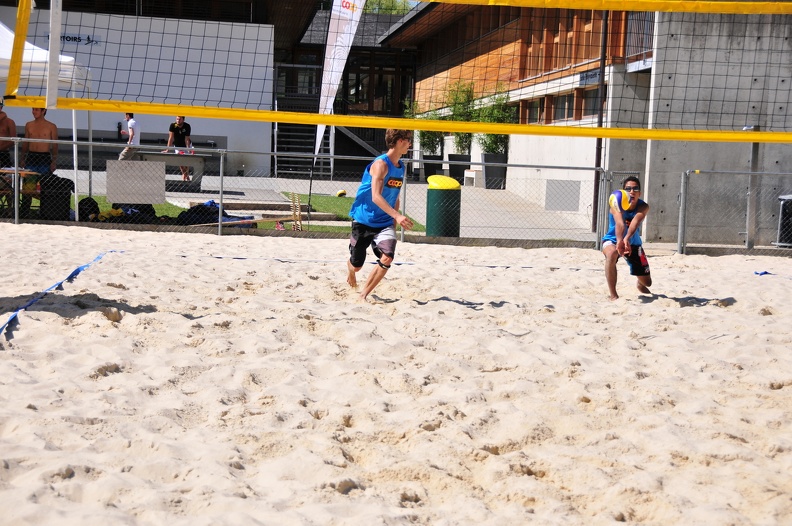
x=735 y=210
x=532 y=206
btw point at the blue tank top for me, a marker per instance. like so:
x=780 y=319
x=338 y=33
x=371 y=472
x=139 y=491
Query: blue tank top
x=363 y=209
x=628 y=216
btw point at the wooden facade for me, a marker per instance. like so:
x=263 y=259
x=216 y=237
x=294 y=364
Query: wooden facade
x=510 y=49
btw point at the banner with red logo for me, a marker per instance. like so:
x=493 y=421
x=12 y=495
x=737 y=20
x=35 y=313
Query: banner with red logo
x=344 y=20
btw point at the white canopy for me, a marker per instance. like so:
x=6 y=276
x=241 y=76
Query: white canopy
x=34 y=65
x=71 y=76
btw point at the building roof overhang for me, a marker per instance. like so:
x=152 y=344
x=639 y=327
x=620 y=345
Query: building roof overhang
x=291 y=19
x=423 y=21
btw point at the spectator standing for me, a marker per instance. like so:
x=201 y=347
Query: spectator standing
x=7 y=129
x=133 y=140
x=179 y=138
x=40 y=156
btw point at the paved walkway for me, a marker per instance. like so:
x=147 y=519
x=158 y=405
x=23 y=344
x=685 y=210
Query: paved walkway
x=488 y=214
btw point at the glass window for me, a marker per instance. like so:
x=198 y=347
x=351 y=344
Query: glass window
x=535 y=112
x=590 y=102
x=564 y=107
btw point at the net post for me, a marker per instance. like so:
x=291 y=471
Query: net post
x=682 y=210
x=605 y=178
x=753 y=194
x=220 y=207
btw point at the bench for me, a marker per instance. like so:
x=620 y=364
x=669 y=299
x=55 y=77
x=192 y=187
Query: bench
x=7 y=189
x=7 y=200
x=195 y=161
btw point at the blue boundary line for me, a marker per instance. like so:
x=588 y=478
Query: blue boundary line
x=56 y=286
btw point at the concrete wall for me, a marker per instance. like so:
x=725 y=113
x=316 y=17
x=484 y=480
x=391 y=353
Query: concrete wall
x=626 y=107
x=718 y=73
x=174 y=47
x=708 y=73
x=547 y=186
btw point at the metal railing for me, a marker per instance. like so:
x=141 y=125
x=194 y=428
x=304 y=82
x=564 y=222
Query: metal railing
x=734 y=209
x=531 y=206
x=640 y=34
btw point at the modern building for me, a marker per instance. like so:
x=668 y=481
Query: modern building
x=288 y=41
x=661 y=70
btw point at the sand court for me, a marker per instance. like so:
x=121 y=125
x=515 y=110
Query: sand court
x=197 y=379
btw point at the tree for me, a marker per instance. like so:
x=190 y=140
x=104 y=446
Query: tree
x=460 y=103
x=431 y=142
x=388 y=7
x=498 y=110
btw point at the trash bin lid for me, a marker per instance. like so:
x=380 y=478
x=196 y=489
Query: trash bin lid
x=442 y=182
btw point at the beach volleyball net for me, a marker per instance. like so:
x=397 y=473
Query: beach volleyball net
x=469 y=76
x=697 y=70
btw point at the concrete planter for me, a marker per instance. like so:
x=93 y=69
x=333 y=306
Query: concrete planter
x=494 y=176
x=457 y=171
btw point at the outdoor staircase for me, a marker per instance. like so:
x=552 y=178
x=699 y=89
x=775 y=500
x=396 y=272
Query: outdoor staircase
x=295 y=142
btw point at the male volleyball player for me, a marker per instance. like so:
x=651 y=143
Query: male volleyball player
x=375 y=212
x=623 y=239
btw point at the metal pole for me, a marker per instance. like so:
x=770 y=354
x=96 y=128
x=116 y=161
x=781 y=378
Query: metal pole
x=600 y=114
x=332 y=151
x=753 y=194
x=16 y=182
x=682 y=210
x=90 y=154
x=220 y=213
x=404 y=200
x=606 y=177
x=75 y=161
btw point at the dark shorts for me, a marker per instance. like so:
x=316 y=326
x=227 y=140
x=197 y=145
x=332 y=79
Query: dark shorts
x=38 y=162
x=382 y=241
x=639 y=265
x=5 y=159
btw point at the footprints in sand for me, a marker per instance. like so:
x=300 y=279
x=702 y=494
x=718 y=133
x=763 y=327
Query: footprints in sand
x=106 y=370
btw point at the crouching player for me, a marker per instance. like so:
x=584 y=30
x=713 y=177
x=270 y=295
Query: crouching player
x=623 y=239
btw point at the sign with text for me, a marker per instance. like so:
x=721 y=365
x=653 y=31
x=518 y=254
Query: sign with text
x=79 y=39
x=588 y=78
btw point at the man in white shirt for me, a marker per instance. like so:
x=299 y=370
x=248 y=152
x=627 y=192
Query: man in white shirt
x=133 y=132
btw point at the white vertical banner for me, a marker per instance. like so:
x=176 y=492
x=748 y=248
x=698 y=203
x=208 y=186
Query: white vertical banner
x=344 y=20
x=53 y=64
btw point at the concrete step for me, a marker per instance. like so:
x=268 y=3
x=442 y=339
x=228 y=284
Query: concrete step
x=315 y=216
x=256 y=205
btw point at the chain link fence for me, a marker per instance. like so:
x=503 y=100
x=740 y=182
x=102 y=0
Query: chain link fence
x=531 y=206
x=735 y=210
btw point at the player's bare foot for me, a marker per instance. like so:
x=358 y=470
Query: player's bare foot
x=614 y=297
x=643 y=288
x=351 y=276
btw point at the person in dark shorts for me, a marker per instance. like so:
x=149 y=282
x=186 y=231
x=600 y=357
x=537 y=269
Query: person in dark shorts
x=624 y=240
x=39 y=157
x=179 y=138
x=375 y=212
x=7 y=129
